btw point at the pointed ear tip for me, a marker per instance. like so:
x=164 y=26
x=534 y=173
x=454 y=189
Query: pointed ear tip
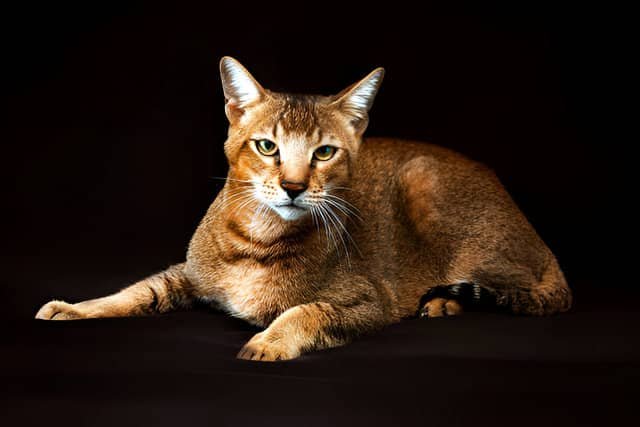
x=376 y=76
x=226 y=60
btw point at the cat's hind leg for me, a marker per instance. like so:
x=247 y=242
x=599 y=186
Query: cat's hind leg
x=528 y=294
x=160 y=293
x=515 y=291
x=454 y=299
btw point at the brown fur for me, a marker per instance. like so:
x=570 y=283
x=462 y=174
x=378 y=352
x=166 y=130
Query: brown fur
x=418 y=216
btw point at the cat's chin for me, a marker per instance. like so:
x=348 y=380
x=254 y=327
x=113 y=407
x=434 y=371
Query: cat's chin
x=290 y=212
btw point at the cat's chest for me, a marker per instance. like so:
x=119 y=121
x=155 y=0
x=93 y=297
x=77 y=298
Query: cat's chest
x=256 y=293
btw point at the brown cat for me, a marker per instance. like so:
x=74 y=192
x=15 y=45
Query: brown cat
x=319 y=236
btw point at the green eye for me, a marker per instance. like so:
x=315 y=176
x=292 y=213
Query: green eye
x=324 y=153
x=266 y=147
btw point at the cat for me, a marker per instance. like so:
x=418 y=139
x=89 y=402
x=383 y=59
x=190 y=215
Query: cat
x=320 y=236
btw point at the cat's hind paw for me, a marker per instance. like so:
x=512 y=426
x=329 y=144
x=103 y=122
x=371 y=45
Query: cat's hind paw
x=449 y=300
x=440 y=307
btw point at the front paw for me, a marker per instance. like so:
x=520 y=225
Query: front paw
x=58 y=310
x=261 y=349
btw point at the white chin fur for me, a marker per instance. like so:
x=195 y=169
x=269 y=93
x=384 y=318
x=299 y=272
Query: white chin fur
x=289 y=213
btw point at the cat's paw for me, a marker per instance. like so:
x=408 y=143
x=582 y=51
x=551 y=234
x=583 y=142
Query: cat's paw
x=261 y=349
x=448 y=300
x=58 y=310
x=439 y=307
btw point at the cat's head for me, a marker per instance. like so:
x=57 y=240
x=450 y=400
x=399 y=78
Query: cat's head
x=292 y=152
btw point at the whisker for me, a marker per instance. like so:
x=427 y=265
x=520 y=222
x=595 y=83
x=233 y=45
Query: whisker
x=332 y=187
x=314 y=217
x=236 y=197
x=344 y=209
x=340 y=199
x=346 y=231
x=253 y=224
x=238 y=194
x=325 y=224
x=233 y=179
x=246 y=203
x=335 y=221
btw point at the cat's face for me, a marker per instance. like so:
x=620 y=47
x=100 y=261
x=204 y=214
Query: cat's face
x=293 y=154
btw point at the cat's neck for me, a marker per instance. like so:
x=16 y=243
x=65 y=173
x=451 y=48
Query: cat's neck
x=249 y=231
x=254 y=230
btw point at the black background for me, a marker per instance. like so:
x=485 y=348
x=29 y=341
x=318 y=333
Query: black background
x=113 y=131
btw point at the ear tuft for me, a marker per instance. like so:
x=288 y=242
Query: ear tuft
x=240 y=88
x=356 y=100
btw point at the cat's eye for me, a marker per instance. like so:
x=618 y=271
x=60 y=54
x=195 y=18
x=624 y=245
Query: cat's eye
x=324 y=153
x=266 y=147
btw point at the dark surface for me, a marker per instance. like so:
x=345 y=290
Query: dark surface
x=112 y=129
x=580 y=368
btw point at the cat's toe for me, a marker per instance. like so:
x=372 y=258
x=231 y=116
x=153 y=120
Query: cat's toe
x=259 y=353
x=261 y=350
x=452 y=308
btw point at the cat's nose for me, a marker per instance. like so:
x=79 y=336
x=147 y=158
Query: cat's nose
x=293 y=188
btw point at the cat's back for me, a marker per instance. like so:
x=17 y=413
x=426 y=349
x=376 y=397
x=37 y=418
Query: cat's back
x=399 y=149
x=385 y=162
x=408 y=188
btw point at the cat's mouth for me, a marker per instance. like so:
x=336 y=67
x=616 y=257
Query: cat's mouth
x=291 y=205
x=290 y=211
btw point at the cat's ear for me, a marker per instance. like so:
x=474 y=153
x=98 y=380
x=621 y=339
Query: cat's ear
x=356 y=100
x=241 y=90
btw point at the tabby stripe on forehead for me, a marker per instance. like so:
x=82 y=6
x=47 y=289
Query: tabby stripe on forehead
x=314 y=121
x=279 y=121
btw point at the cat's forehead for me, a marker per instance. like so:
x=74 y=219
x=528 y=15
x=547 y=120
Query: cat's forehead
x=296 y=114
x=291 y=119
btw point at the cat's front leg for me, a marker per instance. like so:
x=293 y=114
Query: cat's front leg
x=313 y=326
x=162 y=292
